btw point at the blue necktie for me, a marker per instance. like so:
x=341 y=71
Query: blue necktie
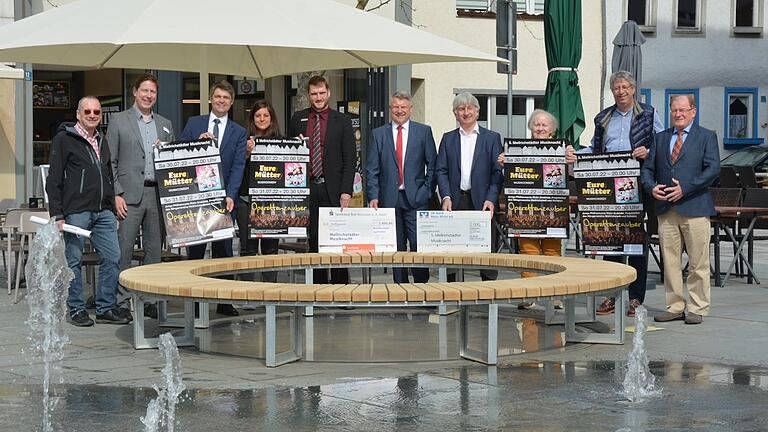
x=216 y=130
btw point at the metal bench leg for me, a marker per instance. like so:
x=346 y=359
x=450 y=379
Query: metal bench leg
x=140 y=341
x=489 y=355
x=553 y=318
x=616 y=337
x=203 y=319
x=309 y=277
x=274 y=358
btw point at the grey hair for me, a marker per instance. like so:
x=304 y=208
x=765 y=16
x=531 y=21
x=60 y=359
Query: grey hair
x=402 y=95
x=83 y=99
x=623 y=75
x=541 y=113
x=465 y=98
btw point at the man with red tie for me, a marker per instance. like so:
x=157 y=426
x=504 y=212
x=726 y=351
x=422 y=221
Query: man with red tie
x=682 y=164
x=332 y=160
x=400 y=174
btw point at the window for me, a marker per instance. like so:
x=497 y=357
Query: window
x=740 y=116
x=643 y=12
x=477 y=5
x=668 y=93
x=746 y=16
x=688 y=17
x=530 y=7
x=645 y=96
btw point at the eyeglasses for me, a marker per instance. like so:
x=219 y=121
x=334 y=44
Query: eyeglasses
x=88 y=112
x=681 y=111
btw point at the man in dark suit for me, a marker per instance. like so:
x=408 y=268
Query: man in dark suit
x=683 y=162
x=231 y=139
x=400 y=174
x=332 y=156
x=468 y=174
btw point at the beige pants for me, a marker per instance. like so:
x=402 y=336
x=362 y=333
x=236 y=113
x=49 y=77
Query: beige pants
x=675 y=231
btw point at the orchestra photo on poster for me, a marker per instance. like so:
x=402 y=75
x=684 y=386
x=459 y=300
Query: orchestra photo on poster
x=536 y=187
x=278 y=188
x=609 y=201
x=191 y=190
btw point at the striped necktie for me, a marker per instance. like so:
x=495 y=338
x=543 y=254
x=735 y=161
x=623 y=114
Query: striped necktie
x=216 y=130
x=678 y=146
x=316 y=161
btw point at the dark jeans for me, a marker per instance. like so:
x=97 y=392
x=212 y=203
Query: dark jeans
x=103 y=227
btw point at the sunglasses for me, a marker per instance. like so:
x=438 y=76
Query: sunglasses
x=88 y=112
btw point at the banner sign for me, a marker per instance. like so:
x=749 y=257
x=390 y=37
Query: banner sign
x=356 y=230
x=454 y=231
x=192 y=194
x=536 y=186
x=278 y=187
x=610 y=203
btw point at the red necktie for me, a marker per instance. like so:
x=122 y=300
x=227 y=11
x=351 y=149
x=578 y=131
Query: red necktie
x=678 y=145
x=399 y=151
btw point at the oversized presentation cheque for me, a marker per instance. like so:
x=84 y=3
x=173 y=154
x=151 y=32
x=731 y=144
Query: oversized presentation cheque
x=356 y=230
x=459 y=231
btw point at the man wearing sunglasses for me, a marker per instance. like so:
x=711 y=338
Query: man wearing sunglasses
x=80 y=193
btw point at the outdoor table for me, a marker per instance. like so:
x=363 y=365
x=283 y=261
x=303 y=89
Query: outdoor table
x=754 y=213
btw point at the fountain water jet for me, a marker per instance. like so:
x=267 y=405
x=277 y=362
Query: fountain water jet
x=48 y=278
x=639 y=382
x=161 y=411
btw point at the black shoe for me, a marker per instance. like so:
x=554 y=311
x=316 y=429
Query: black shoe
x=81 y=319
x=150 y=311
x=112 y=316
x=124 y=312
x=227 y=309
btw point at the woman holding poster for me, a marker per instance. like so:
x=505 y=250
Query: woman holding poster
x=542 y=126
x=261 y=123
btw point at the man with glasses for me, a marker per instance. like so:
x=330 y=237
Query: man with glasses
x=132 y=135
x=682 y=164
x=80 y=193
x=628 y=125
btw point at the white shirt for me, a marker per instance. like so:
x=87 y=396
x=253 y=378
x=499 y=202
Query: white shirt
x=222 y=125
x=468 y=141
x=406 y=126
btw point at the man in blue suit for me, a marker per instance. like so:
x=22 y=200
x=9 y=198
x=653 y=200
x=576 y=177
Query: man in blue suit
x=400 y=174
x=683 y=162
x=468 y=176
x=231 y=139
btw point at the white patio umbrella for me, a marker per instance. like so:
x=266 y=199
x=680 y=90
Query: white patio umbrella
x=254 y=38
x=7 y=72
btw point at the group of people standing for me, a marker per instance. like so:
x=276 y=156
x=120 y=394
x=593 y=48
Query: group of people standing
x=96 y=181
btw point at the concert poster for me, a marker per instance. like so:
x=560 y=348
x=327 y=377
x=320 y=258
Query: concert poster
x=278 y=186
x=536 y=187
x=192 y=193
x=610 y=203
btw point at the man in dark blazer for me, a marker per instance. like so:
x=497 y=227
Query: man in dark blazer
x=333 y=157
x=132 y=135
x=231 y=139
x=682 y=164
x=400 y=174
x=468 y=174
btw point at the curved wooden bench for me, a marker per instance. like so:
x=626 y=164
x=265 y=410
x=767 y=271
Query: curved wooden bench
x=565 y=279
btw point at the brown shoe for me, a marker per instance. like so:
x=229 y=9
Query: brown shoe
x=692 y=318
x=669 y=316
x=632 y=305
x=606 y=307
